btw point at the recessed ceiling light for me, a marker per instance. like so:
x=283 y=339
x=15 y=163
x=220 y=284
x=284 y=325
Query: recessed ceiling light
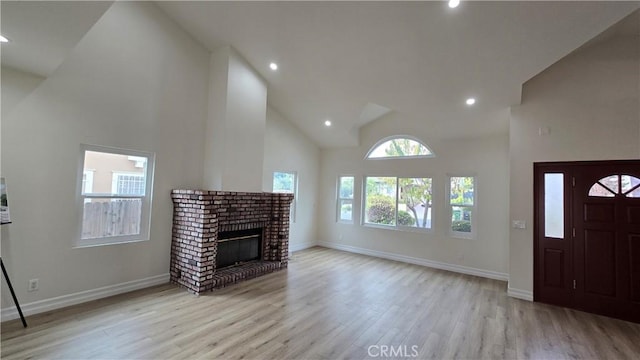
x=454 y=3
x=3 y=39
x=327 y=123
x=273 y=66
x=470 y=101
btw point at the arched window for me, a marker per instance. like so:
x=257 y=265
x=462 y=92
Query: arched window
x=612 y=185
x=401 y=146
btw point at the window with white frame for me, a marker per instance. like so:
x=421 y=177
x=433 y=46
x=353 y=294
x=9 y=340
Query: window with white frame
x=399 y=147
x=462 y=205
x=345 y=199
x=402 y=203
x=114 y=195
x=287 y=182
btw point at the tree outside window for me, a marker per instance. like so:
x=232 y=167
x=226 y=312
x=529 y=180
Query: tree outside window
x=395 y=201
x=414 y=203
x=345 y=199
x=399 y=147
x=286 y=182
x=398 y=202
x=380 y=201
x=462 y=202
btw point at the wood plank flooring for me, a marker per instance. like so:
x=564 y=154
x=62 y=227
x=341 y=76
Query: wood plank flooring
x=327 y=305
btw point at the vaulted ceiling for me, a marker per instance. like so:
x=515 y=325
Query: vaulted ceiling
x=351 y=62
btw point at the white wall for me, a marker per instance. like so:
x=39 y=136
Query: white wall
x=214 y=146
x=485 y=158
x=235 y=125
x=136 y=81
x=287 y=149
x=16 y=85
x=590 y=102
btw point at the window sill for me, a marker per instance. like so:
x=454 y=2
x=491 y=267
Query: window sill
x=415 y=229
x=461 y=235
x=375 y=226
x=399 y=228
x=86 y=243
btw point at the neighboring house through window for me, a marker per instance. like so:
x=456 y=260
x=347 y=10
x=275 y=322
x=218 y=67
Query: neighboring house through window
x=114 y=195
x=128 y=184
x=87 y=181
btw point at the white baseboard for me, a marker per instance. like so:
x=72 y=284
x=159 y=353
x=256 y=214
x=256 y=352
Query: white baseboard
x=41 y=306
x=301 y=246
x=520 y=294
x=418 y=261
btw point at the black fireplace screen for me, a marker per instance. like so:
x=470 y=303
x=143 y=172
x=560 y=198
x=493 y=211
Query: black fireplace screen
x=237 y=247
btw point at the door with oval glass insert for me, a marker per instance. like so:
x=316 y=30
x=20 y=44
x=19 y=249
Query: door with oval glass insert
x=595 y=265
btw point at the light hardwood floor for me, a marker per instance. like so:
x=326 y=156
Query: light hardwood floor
x=327 y=305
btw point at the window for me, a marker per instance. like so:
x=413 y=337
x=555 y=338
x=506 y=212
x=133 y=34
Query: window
x=114 y=195
x=612 y=185
x=87 y=181
x=287 y=182
x=462 y=204
x=345 y=199
x=554 y=205
x=128 y=184
x=399 y=147
x=414 y=202
x=398 y=202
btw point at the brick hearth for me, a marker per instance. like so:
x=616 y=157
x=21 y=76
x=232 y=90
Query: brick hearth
x=198 y=217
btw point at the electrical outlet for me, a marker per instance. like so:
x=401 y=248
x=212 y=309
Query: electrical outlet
x=33 y=285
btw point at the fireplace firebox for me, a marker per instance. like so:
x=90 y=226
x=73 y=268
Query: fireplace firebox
x=238 y=247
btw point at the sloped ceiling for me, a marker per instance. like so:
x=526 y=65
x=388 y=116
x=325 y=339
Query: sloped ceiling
x=420 y=60
x=42 y=33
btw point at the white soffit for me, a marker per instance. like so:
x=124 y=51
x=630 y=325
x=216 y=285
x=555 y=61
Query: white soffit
x=371 y=112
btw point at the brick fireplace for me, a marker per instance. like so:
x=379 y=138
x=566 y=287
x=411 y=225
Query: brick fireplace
x=199 y=216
